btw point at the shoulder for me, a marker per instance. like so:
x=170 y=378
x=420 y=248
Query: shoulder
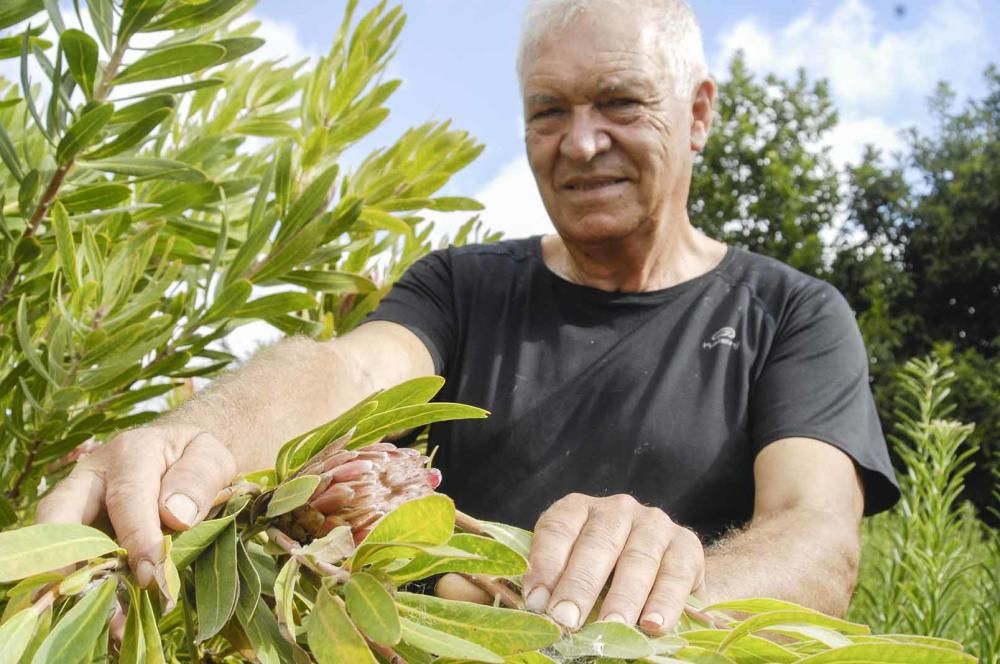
x=495 y=254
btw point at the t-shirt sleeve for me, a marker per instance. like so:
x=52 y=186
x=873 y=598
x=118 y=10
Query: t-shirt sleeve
x=423 y=301
x=814 y=384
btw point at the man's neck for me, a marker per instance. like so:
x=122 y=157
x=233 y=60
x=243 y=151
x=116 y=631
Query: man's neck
x=653 y=262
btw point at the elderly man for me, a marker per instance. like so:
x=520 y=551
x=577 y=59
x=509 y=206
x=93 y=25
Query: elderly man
x=696 y=419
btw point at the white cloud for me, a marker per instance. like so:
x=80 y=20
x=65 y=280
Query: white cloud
x=512 y=202
x=874 y=73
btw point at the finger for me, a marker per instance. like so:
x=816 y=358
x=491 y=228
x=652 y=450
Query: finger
x=682 y=572
x=77 y=499
x=637 y=568
x=204 y=468
x=555 y=533
x=133 y=486
x=594 y=556
x=457 y=587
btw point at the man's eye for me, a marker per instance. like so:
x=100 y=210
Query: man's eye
x=545 y=113
x=623 y=102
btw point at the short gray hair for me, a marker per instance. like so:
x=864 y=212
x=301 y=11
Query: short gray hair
x=683 y=49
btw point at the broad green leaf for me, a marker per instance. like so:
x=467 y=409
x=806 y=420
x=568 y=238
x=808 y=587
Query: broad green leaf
x=605 y=639
x=147 y=167
x=889 y=653
x=455 y=204
x=95 y=197
x=503 y=631
x=15 y=11
x=83 y=132
x=44 y=547
x=237 y=47
x=11 y=47
x=16 y=633
x=291 y=495
x=191 y=15
x=445 y=644
x=275 y=305
x=330 y=281
x=135 y=15
x=216 y=584
x=229 y=300
x=371 y=608
x=413 y=392
x=132 y=113
x=150 y=631
x=81 y=57
x=172 y=61
x=426 y=520
x=296 y=453
x=750 y=649
x=333 y=638
x=786 y=617
x=380 y=425
x=72 y=638
x=516 y=538
x=310 y=203
x=189 y=545
x=131 y=136
x=492 y=558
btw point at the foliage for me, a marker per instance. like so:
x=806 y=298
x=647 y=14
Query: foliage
x=930 y=566
x=161 y=188
x=238 y=586
x=765 y=180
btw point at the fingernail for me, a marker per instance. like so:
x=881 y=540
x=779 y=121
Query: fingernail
x=567 y=614
x=615 y=617
x=144 y=573
x=652 y=621
x=537 y=600
x=183 y=508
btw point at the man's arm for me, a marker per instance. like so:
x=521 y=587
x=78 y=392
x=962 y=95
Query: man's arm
x=169 y=473
x=802 y=544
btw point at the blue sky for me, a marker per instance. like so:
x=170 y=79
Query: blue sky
x=456 y=61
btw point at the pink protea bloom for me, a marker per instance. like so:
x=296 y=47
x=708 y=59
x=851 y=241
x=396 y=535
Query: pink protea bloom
x=358 y=487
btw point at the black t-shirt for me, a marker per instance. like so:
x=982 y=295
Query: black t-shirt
x=665 y=395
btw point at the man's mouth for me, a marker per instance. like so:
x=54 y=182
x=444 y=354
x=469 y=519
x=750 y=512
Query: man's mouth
x=591 y=185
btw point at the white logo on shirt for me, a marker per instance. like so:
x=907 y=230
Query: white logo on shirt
x=725 y=337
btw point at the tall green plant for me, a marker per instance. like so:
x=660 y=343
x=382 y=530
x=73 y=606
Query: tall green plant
x=930 y=566
x=147 y=193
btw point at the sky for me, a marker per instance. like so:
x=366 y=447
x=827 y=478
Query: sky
x=456 y=60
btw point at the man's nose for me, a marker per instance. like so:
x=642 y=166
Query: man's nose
x=585 y=137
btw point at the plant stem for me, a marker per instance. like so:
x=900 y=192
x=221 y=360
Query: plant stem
x=294 y=549
x=496 y=589
x=469 y=524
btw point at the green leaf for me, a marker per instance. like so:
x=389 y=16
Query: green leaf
x=191 y=543
x=229 y=300
x=296 y=249
x=312 y=200
x=148 y=167
x=377 y=219
x=172 y=61
x=27 y=191
x=95 y=197
x=426 y=520
x=371 y=607
x=267 y=127
x=81 y=56
x=455 y=204
x=275 y=305
x=379 y=425
x=133 y=644
x=291 y=495
x=134 y=112
x=445 y=644
x=250 y=586
x=200 y=84
x=259 y=229
x=191 y=15
x=216 y=584
x=516 y=538
x=889 y=654
x=749 y=649
x=784 y=618
x=151 y=631
x=491 y=557
x=237 y=47
x=15 y=11
x=606 y=639
x=135 y=15
x=27 y=347
x=8 y=153
x=284 y=597
x=264 y=634
x=503 y=631
x=131 y=136
x=72 y=638
x=83 y=132
x=8 y=517
x=16 y=633
x=332 y=636
x=330 y=281
x=297 y=452
x=102 y=15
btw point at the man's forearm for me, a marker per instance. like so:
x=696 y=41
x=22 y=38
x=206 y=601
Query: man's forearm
x=802 y=556
x=286 y=389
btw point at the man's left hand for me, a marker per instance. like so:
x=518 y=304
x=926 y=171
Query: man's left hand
x=581 y=540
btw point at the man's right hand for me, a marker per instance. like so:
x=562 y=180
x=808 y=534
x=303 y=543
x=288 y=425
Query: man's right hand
x=145 y=479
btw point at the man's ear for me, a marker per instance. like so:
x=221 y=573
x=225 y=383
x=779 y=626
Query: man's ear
x=701 y=114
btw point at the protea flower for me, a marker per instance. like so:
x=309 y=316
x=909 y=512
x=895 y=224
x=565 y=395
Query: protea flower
x=358 y=487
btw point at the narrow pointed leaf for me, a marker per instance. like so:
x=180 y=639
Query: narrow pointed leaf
x=275 y=305
x=804 y=617
x=135 y=15
x=102 y=14
x=191 y=15
x=291 y=495
x=229 y=300
x=81 y=57
x=376 y=427
x=330 y=281
x=76 y=633
x=83 y=132
x=237 y=47
x=216 y=584
x=333 y=638
x=191 y=543
x=312 y=200
x=148 y=167
x=151 y=632
x=131 y=136
x=172 y=61
x=250 y=586
x=95 y=197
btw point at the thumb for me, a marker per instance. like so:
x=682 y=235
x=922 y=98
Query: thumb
x=189 y=486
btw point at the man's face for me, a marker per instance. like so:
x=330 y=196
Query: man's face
x=609 y=142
